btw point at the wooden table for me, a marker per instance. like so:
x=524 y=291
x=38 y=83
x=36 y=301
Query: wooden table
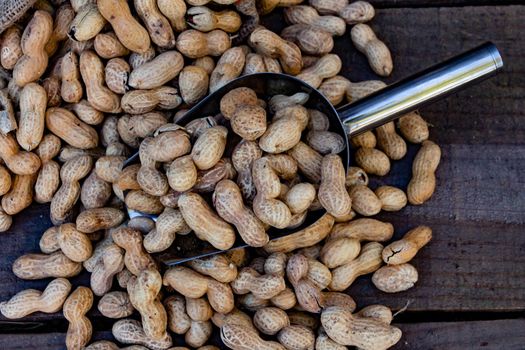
x=471 y=292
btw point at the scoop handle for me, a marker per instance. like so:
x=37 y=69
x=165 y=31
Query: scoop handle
x=421 y=89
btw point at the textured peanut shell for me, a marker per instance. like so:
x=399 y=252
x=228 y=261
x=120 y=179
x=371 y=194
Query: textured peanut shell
x=26 y=302
x=395 y=278
x=270 y=320
x=10 y=50
x=332 y=191
x=96 y=219
x=413 y=127
x=158 y=27
x=363 y=229
x=135 y=258
x=403 y=250
x=128 y=30
x=218 y=267
x=340 y=251
x=193 y=84
x=157 y=72
x=75 y=308
x=239 y=337
x=209 y=147
x=390 y=142
x=297 y=337
x=69 y=128
x=20 y=195
x=73 y=243
x=108 y=46
x=204 y=222
x=194 y=44
x=39 y=266
x=392 y=198
x=33 y=103
x=373 y=161
x=115 y=305
x=364 y=200
x=423 y=182
x=129 y=331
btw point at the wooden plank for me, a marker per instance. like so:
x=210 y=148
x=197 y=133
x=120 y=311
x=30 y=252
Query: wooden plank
x=440 y=3
x=486 y=335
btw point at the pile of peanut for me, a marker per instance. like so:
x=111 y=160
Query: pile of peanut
x=84 y=84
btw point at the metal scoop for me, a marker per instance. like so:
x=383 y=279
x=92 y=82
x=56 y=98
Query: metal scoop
x=379 y=108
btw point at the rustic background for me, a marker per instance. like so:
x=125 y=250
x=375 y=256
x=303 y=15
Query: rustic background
x=471 y=292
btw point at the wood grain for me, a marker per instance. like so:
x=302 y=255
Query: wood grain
x=440 y=3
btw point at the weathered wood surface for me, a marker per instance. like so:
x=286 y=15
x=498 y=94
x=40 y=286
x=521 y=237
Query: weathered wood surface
x=440 y=3
x=476 y=262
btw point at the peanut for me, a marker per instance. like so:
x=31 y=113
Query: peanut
x=107 y=265
x=115 y=305
x=207 y=63
x=138 y=59
x=340 y=251
x=366 y=333
x=49 y=176
x=204 y=222
x=285 y=131
x=332 y=192
x=392 y=198
x=209 y=147
x=359 y=90
x=413 y=127
x=7 y=114
x=363 y=230
x=194 y=285
x=227 y=199
x=174 y=10
x=33 y=102
x=306 y=237
x=116 y=75
x=31 y=300
x=129 y=331
x=308 y=15
x=219 y=267
x=80 y=329
x=270 y=320
x=403 y=250
x=368 y=261
x=239 y=337
x=269 y=44
x=390 y=142
x=128 y=30
x=143 y=202
x=308 y=161
x=378 y=312
x=144 y=101
x=364 y=200
x=365 y=140
x=10 y=49
x=395 y=278
x=33 y=63
x=205 y=20
x=108 y=46
x=87 y=113
x=88 y=21
x=207 y=180
x=300 y=197
x=376 y=51
x=95 y=192
x=74 y=243
x=178 y=320
x=157 y=25
x=357 y=12
x=66 y=125
x=194 y=44
x=98 y=95
x=267 y=6
x=67 y=195
x=39 y=266
x=256 y=63
x=325 y=142
x=308 y=294
x=297 y=337
x=229 y=67
x=96 y=219
x=334 y=88
x=324 y=342
x=278 y=102
x=52 y=87
x=193 y=84
x=135 y=258
x=356 y=176
x=71 y=89
x=20 y=195
x=5 y=221
x=327 y=66
x=261 y=286
x=423 y=182
x=156 y=72
x=310 y=39
x=373 y=161
x=143 y=293
x=168 y=224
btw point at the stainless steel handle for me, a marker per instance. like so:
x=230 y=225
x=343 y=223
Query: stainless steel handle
x=421 y=89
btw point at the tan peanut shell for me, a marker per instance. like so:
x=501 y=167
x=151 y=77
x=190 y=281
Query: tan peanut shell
x=379 y=312
x=143 y=293
x=128 y=30
x=423 y=182
x=340 y=251
x=87 y=113
x=174 y=10
x=308 y=15
x=157 y=72
x=193 y=84
x=205 y=20
x=209 y=147
x=135 y=258
x=96 y=219
x=361 y=89
x=356 y=176
x=33 y=103
x=326 y=67
x=270 y=320
x=95 y=192
x=228 y=67
x=403 y=250
x=168 y=224
x=285 y=130
x=310 y=39
x=71 y=89
x=363 y=230
x=26 y=302
x=178 y=320
x=297 y=337
x=413 y=127
x=158 y=26
x=98 y=95
x=129 y=331
x=332 y=191
x=364 y=200
x=39 y=266
x=239 y=337
x=10 y=49
x=366 y=333
x=366 y=140
x=306 y=237
x=392 y=198
x=74 y=243
x=373 y=161
x=69 y=128
x=194 y=44
x=261 y=286
x=116 y=75
x=357 y=12
x=33 y=63
x=75 y=308
x=20 y=195
x=204 y=222
x=143 y=202
x=390 y=142
x=395 y=278
x=325 y=142
x=87 y=23
x=308 y=161
x=108 y=46
x=219 y=267
x=115 y=305
x=375 y=50
x=368 y=261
